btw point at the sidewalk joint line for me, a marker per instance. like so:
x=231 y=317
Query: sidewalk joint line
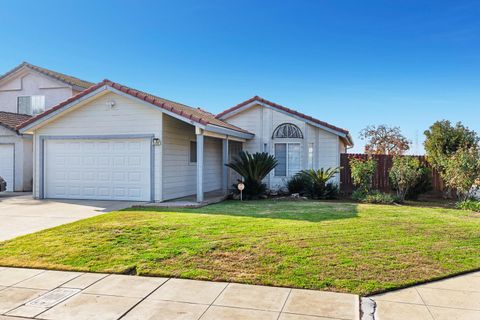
x=284 y=303
x=213 y=301
x=429 y=311
x=13 y=285
x=142 y=299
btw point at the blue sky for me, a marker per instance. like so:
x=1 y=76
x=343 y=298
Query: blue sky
x=350 y=63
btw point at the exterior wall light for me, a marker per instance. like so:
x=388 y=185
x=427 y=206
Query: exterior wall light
x=156 y=142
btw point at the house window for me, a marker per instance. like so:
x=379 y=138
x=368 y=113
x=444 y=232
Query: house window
x=31 y=105
x=288 y=157
x=193 y=152
x=310 y=156
x=281 y=156
x=287 y=130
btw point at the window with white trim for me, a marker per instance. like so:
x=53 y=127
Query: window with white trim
x=288 y=156
x=31 y=105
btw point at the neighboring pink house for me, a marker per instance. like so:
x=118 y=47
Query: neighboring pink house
x=25 y=91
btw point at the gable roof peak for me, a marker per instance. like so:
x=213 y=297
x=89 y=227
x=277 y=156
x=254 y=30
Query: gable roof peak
x=77 y=83
x=247 y=103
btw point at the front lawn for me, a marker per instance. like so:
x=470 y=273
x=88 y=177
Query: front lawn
x=319 y=245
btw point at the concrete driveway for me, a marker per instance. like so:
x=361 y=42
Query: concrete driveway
x=20 y=214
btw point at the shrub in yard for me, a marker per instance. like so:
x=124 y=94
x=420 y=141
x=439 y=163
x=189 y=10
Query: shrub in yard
x=381 y=198
x=358 y=195
x=297 y=184
x=442 y=141
x=375 y=197
x=253 y=168
x=318 y=184
x=405 y=173
x=362 y=173
x=471 y=205
x=423 y=185
x=331 y=192
x=462 y=172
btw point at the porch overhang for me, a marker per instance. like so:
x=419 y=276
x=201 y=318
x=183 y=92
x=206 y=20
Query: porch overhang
x=225 y=132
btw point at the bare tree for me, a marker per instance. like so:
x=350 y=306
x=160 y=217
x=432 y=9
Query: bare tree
x=383 y=139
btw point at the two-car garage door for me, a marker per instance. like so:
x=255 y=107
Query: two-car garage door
x=99 y=169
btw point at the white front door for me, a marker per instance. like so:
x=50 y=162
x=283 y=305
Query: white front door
x=7 y=165
x=100 y=169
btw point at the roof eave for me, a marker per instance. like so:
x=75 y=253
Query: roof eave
x=229 y=132
x=111 y=87
x=8 y=127
x=31 y=67
x=78 y=88
x=349 y=140
x=5 y=76
x=251 y=102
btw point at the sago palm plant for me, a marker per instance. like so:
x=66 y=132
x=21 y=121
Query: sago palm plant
x=318 y=185
x=253 y=168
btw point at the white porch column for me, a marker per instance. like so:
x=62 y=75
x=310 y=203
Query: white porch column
x=224 y=167
x=200 y=143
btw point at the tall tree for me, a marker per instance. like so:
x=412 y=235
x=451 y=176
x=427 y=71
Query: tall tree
x=383 y=139
x=443 y=140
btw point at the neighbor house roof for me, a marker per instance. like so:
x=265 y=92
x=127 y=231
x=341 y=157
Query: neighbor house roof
x=73 y=81
x=194 y=114
x=225 y=114
x=11 y=120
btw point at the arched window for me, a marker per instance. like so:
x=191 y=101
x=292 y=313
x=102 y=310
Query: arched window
x=287 y=130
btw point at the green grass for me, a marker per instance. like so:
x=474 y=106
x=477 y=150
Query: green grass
x=319 y=245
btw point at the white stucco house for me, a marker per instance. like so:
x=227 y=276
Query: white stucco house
x=298 y=141
x=114 y=142
x=25 y=91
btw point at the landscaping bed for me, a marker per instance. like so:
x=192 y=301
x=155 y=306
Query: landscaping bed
x=346 y=247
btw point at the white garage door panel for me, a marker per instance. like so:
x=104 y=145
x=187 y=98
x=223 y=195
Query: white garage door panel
x=98 y=169
x=7 y=164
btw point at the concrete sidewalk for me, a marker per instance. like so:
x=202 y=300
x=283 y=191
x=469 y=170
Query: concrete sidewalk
x=456 y=298
x=58 y=295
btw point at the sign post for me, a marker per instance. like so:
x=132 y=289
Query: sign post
x=240 y=187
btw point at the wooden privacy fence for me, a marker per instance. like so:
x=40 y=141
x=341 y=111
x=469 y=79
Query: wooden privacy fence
x=380 y=180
